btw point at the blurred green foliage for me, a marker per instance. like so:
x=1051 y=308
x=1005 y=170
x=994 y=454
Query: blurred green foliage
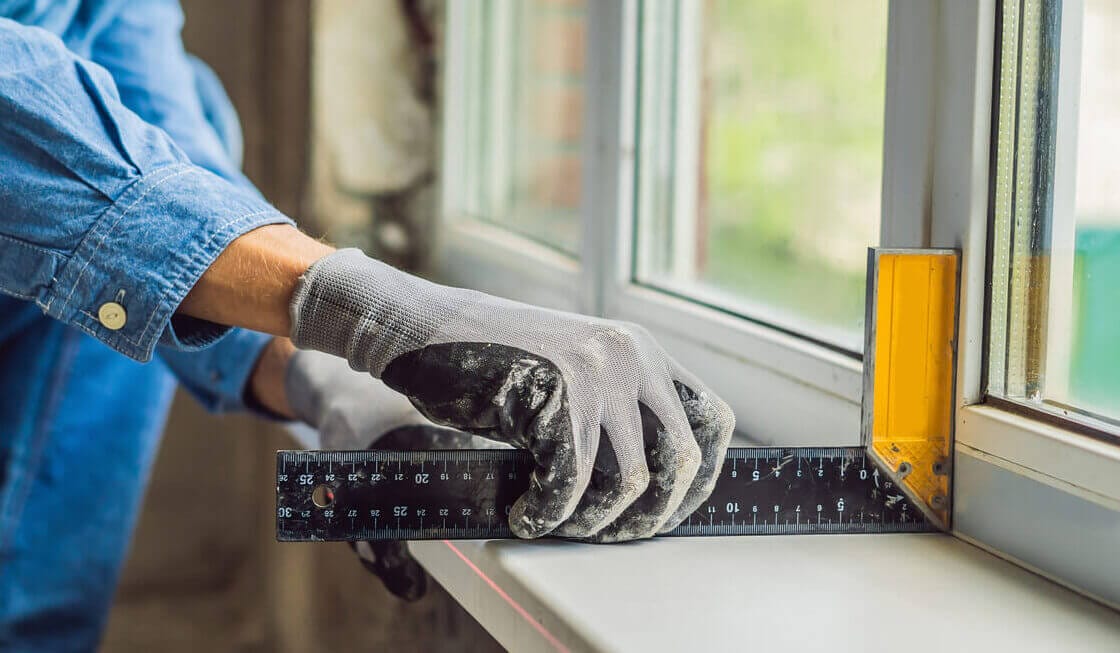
x=793 y=152
x=1094 y=377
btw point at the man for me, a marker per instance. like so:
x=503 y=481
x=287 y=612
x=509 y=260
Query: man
x=130 y=245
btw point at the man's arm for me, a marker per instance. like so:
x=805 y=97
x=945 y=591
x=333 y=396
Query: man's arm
x=250 y=283
x=107 y=225
x=142 y=49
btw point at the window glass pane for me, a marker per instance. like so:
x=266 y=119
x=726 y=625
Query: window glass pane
x=1095 y=361
x=761 y=138
x=524 y=82
x=1056 y=252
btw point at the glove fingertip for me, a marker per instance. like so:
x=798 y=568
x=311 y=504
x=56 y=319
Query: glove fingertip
x=527 y=527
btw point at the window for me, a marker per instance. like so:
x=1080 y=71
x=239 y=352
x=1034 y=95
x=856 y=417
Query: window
x=523 y=156
x=736 y=157
x=1056 y=205
x=761 y=156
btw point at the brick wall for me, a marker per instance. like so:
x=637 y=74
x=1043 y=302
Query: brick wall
x=553 y=84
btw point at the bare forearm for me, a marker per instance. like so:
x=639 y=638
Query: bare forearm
x=251 y=283
x=266 y=385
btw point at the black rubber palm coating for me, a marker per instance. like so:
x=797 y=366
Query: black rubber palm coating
x=398 y=570
x=505 y=394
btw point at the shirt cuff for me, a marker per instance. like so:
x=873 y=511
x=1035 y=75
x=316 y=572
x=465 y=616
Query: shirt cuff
x=218 y=377
x=143 y=255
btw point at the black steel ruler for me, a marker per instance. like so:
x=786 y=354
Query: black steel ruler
x=467 y=494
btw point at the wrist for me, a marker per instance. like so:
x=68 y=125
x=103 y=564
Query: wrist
x=266 y=384
x=251 y=283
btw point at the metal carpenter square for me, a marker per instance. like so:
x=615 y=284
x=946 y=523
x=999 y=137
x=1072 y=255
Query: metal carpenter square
x=467 y=494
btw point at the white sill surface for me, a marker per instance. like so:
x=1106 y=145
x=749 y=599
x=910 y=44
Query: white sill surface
x=914 y=592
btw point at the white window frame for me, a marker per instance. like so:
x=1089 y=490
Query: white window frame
x=1041 y=494
x=1017 y=479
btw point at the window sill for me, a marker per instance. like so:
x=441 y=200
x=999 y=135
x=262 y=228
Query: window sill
x=926 y=592
x=1039 y=495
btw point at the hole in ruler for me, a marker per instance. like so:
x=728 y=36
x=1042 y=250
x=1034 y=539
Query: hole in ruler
x=904 y=470
x=322 y=496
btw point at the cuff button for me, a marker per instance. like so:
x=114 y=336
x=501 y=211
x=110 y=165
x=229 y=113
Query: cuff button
x=112 y=316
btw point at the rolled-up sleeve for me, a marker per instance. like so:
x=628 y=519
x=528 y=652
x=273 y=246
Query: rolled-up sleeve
x=218 y=376
x=105 y=223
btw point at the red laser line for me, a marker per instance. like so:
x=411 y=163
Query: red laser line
x=508 y=599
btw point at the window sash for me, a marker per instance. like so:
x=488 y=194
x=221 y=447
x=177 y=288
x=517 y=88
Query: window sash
x=1033 y=212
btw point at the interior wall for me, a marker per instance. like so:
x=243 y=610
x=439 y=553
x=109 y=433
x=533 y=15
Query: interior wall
x=205 y=571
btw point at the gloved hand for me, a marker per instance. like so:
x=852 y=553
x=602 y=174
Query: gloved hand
x=352 y=411
x=626 y=442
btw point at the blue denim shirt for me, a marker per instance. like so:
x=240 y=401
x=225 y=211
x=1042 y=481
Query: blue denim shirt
x=118 y=183
x=115 y=185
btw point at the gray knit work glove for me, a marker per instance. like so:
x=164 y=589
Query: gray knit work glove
x=626 y=442
x=352 y=411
